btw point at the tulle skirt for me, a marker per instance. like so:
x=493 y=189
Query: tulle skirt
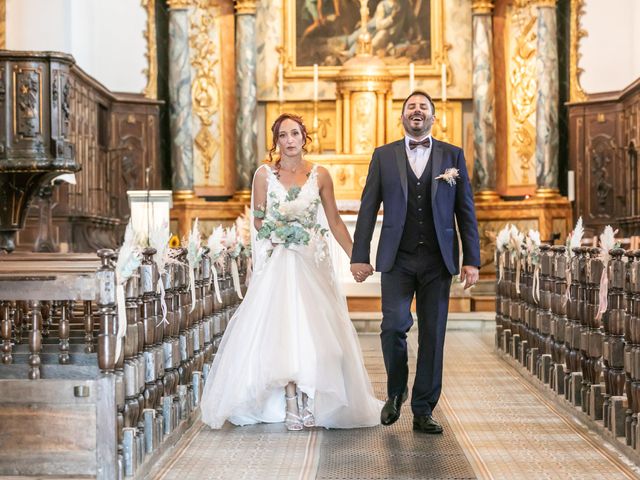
x=292 y=326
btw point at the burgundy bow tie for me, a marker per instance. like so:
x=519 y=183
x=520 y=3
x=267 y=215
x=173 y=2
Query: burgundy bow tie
x=426 y=143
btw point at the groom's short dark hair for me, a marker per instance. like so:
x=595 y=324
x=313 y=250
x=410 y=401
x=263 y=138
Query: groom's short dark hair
x=424 y=94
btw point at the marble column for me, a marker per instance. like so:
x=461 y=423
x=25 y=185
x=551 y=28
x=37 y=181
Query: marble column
x=180 y=98
x=484 y=117
x=246 y=117
x=547 y=104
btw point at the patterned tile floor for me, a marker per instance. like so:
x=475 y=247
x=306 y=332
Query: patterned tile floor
x=503 y=426
x=508 y=429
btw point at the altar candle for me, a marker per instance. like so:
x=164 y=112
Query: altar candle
x=412 y=72
x=444 y=82
x=571 y=185
x=315 y=82
x=280 y=84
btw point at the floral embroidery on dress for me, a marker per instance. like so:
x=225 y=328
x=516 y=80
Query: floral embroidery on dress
x=290 y=219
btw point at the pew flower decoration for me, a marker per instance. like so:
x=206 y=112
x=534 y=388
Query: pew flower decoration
x=515 y=250
x=174 y=242
x=243 y=226
x=450 y=175
x=607 y=242
x=193 y=259
x=575 y=238
x=502 y=242
x=231 y=242
x=233 y=250
x=216 y=245
x=216 y=250
x=129 y=259
x=573 y=241
x=532 y=248
x=159 y=238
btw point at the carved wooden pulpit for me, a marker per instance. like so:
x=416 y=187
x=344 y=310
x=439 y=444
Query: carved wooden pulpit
x=34 y=127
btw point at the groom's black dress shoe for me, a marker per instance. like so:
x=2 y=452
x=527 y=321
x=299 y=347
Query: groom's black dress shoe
x=426 y=424
x=391 y=410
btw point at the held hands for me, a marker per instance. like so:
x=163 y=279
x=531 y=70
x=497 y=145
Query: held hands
x=469 y=276
x=361 y=271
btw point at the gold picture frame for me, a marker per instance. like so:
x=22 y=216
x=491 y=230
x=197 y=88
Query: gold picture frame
x=3 y=24
x=437 y=44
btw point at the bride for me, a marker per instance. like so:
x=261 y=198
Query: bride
x=290 y=352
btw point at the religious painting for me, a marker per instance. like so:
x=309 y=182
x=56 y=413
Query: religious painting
x=325 y=32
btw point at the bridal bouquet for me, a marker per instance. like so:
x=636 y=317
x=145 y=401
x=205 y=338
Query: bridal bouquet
x=290 y=222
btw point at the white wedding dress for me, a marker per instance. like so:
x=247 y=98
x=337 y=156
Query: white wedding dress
x=292 y=326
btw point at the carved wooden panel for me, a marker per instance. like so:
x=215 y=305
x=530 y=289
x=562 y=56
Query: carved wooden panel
x=604 y=137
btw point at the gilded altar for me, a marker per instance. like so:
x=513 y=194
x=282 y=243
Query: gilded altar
x=490 y=99
x=349 y=110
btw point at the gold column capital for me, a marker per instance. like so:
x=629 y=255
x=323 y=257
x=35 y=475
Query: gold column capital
x=246 y=7
x=179 y=4
x=544 y=3
x=482 y=7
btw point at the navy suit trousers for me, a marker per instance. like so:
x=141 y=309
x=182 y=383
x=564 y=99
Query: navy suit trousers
x=424 y=275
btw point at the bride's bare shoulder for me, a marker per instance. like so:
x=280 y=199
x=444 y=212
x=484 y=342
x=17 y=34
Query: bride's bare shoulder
x=262 y=171
x=323 y=174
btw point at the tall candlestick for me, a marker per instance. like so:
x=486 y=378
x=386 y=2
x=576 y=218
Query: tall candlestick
x=280 y=84
x=444 y=82
x=315 y=82
x=412 y=73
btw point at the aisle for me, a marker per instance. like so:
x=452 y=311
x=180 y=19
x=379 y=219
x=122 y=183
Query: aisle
x=508 y=429
x=496 y=426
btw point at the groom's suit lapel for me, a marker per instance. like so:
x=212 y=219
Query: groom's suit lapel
x=436 y=158
x=401 y=160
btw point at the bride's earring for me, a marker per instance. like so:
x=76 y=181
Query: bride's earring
x=292 y=419
x=308 y=420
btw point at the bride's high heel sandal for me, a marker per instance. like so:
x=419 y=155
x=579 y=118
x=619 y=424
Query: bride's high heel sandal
x=292 y=420
x=308 y=420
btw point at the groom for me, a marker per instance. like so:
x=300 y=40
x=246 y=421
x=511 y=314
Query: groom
x=424 y=186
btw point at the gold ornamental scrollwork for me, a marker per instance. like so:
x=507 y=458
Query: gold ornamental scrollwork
x=246 y=7
x=364 y=122
x=205 y=93
x=523 y=90
x=576 y=93
x=151 y=72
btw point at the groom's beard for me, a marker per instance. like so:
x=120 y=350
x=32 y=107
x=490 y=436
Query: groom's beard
x=420 y=129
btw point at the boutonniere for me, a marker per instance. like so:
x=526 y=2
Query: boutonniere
x=449 y=176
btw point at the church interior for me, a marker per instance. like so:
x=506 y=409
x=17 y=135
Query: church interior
x=130 y=132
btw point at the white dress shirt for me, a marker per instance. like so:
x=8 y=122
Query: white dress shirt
x=419 y=156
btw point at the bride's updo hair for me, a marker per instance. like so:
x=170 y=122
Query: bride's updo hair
x=275 y=130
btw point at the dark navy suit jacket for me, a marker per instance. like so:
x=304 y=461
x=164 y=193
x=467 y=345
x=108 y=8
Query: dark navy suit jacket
x=387 y=184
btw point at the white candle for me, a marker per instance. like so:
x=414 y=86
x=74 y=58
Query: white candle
x=444 y=82
x=571 y=185
x=412 y=73
x=315 y=82
x=280 y=84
